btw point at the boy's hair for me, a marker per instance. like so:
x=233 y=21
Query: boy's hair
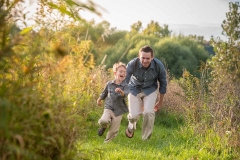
x=117 y=65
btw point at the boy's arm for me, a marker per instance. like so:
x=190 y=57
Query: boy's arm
x=103 y=95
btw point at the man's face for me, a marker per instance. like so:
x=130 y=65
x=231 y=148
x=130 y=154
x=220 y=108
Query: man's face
x=145 y=59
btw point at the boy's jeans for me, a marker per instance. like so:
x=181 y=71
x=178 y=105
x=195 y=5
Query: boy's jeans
x=108 y=119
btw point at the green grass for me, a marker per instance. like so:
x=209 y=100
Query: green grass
x=171 y=139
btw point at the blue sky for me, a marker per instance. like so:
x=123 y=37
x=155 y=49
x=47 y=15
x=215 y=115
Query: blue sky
x=200 y=17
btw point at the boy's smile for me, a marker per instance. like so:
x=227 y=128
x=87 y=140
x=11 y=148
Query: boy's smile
x=120 y=75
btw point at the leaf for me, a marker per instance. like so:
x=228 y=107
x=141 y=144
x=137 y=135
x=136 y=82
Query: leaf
x=25 y=30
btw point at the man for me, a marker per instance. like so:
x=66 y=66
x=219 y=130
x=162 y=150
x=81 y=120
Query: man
x=143 y=75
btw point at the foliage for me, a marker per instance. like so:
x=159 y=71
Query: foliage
x=212 y=115
x=43 y=85
x=176 y=56
x=225 y=71
x=176 y=53
x=196 y=48
x=136 y=28
x=227 y=56
x=153 y=28
x=57 y=14
x=213 y=100
x=114 y=53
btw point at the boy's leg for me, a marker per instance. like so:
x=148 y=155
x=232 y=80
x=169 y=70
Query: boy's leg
x=114 y=127
x=148 y=115
x=105 y=120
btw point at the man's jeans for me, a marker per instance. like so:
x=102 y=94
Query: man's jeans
x=142 y=104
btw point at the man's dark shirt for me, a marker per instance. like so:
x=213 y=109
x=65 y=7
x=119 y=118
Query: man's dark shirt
x=145 y=80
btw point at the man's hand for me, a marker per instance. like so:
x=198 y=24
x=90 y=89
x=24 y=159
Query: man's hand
x=158 y=105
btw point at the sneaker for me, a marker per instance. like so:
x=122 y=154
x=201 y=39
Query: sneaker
x=101 y=131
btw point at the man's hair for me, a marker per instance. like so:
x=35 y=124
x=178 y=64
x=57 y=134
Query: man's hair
x=117 y=65
x=146 y=49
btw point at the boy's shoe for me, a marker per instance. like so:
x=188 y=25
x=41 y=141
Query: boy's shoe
x=101 y=131
x=107 y=141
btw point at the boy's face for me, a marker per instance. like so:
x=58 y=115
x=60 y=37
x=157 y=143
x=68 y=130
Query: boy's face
x=120 y=75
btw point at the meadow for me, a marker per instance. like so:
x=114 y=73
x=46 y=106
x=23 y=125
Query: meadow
x=52 y=75
x=172 y=139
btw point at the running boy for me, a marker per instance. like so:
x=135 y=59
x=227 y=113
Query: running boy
x=114 y=95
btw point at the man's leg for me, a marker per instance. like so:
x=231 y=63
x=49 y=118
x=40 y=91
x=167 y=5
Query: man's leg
x=148 y=115
x=135 y=109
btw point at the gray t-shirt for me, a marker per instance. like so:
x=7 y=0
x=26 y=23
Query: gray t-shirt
x=113 y=100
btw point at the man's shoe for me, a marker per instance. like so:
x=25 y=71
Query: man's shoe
x=101 y=131
x=129 y=133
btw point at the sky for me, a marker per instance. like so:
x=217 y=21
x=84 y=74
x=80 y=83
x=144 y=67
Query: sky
x=198 y=17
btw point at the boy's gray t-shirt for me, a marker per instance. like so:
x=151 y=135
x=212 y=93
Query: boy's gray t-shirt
x=113 y=100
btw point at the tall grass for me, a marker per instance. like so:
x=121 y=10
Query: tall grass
x=45 y=103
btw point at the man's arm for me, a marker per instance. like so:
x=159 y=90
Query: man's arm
x=162 y=78
x=130 y=69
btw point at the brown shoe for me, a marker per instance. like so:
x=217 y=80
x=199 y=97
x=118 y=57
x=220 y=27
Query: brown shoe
x=101 y=131
x=129 y=133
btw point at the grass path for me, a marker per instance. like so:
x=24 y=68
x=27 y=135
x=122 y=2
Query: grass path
x=171 y=140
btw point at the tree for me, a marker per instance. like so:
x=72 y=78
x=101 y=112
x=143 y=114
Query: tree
x=196 y=47
x=136 y=27
x=175 y=56
x=227 y=58
x=153 y=28
x=225 y=73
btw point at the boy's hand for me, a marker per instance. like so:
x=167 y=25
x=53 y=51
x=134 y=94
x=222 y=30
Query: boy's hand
x=99 y=102
x=119 y=91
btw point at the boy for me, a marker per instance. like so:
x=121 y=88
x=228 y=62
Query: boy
x=114 y=95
